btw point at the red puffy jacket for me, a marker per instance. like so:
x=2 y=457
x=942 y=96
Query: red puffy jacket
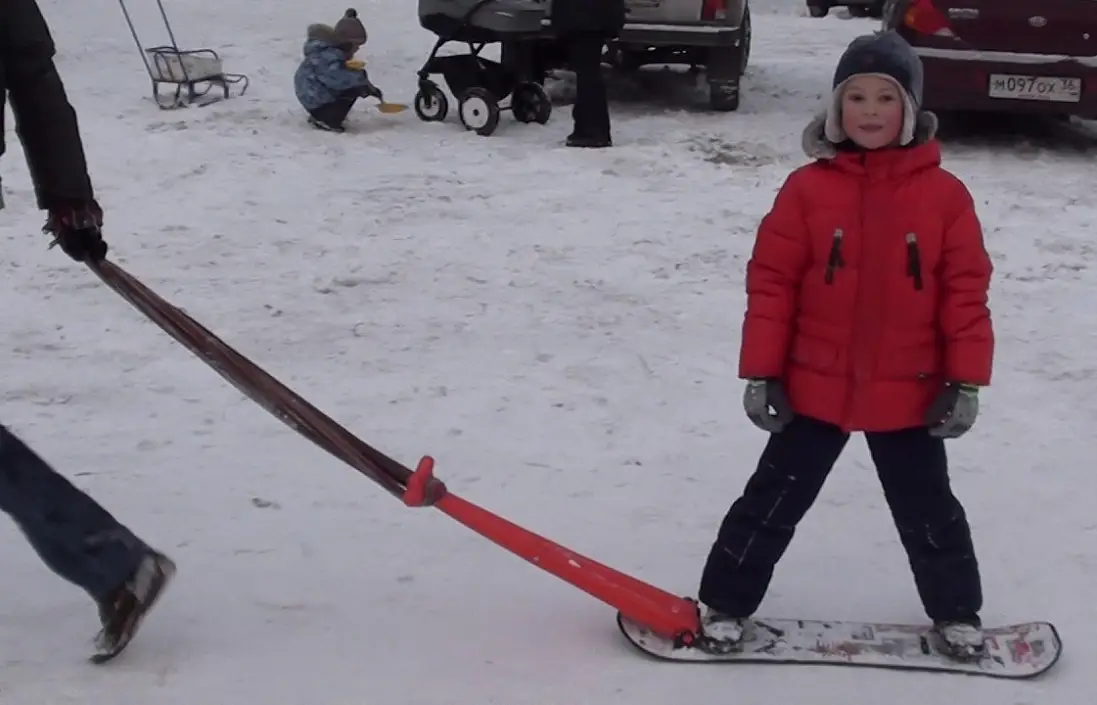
x=867 y=289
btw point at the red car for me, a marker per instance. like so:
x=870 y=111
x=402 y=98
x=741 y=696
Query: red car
x=1011 y=56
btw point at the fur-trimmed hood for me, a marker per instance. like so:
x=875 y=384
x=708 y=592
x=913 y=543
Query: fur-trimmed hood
x=817 y=146
x=348 y=32
x=324 y=33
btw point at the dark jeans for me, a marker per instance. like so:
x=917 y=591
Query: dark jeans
x=591 y=110
x=74 y=536
x=913 y=470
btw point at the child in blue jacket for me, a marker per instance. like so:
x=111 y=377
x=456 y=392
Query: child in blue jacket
x=325 y=86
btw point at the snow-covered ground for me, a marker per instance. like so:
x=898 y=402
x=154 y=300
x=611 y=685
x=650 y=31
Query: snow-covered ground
x=558 y=327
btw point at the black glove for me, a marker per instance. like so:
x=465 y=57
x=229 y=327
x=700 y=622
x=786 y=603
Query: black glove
x=767 y=405
x=371 y=91
x=953 y=412
x=78 y=229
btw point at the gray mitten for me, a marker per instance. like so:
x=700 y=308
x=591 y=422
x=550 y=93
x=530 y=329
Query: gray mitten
x=767 y=405
x=954 y=411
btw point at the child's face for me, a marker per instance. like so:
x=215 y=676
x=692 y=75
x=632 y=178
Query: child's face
x=872 y=112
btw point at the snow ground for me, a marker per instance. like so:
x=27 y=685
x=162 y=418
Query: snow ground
x=558 y=328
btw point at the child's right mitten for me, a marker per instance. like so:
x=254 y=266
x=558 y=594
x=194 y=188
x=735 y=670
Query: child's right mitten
x=368 y=90
x=767 y=405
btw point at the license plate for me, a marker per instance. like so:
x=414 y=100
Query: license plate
x=1046 y=88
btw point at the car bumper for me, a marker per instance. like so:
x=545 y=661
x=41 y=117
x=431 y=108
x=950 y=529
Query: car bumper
x=651 y=34
x=673 y=35
x=959 y=79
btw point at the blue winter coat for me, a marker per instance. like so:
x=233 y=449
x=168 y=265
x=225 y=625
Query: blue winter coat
x=323 y=74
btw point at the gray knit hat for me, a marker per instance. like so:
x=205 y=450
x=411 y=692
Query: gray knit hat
x=350 y=29
x=886 y=55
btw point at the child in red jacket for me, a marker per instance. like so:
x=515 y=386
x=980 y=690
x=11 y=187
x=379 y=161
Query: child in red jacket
x=866 y=311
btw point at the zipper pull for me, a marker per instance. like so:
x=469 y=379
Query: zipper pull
x=834 y=260
x=914 y=261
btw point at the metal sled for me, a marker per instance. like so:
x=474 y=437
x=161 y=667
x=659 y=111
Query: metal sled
x=191 y=74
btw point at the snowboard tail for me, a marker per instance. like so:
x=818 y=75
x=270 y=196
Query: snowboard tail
x=1012 y=651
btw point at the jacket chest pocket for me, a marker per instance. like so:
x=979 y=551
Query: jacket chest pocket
x=910 y=253
x=912 y=294
x=834 y=245
x=918 y=253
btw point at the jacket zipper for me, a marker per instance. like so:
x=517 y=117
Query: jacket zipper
x=858 y=334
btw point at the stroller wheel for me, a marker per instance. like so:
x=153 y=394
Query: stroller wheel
x=430 y=103
x=531 y=103
x=479 y=111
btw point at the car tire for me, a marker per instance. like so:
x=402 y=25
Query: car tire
x=723 y=96
x=630 y=61
x=746 y=40
x=818 y=10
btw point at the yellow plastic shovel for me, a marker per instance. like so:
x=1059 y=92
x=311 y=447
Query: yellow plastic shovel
x=391 y=108
x=388 y=108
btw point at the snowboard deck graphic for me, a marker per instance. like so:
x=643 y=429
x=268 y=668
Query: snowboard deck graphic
x=1012 y=651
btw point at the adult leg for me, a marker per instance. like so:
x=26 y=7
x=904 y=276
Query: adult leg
x=933 y=528
x=591 y=110
x=80 y=541
x=760 y=524
x=74 y=535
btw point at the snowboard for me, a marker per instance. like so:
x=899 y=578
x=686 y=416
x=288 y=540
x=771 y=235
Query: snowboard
x=1012 y=651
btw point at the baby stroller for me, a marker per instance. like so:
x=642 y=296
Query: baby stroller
x=481 y=85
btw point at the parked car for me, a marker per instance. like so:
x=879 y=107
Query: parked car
x=713 y=34
x=710 y=34
x=1007 y=56
x=857 y=8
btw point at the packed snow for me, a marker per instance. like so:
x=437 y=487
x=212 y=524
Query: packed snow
x=558 y=327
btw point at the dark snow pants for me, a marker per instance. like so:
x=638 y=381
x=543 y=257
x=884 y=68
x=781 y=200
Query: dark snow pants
x=590 y=114
x=336 y=112
x=74 y=536
x=913 y=470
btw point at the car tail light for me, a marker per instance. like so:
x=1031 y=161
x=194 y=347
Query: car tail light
x=714 y=10
x=923 y=17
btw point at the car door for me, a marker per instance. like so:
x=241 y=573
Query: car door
x=1056 y=27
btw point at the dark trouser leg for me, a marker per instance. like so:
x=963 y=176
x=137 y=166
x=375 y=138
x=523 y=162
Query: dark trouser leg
x=760 y=524
x=74 y=536
x=933 y=528
x=335 y=113
x=591 y=110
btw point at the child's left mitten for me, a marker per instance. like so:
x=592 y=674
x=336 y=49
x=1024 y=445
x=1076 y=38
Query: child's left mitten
x=953 y=412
